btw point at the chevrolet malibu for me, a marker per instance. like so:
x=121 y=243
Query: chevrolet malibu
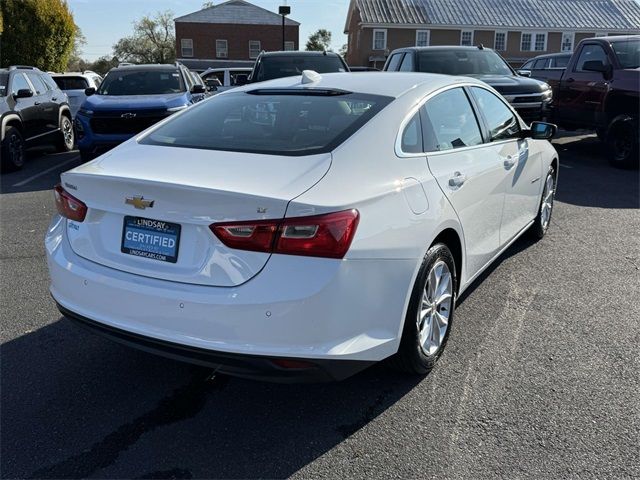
x=302 y=228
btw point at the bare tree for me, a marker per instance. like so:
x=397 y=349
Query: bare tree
x=153 y=40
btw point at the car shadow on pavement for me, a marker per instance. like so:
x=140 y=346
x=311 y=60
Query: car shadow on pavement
x=586 y=178
x=76 y=405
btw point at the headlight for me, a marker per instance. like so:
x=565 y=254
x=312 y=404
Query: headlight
x=177 y=109
x=547 y=95
x=85 y=111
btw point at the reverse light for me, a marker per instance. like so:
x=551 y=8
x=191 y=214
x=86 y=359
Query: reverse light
x=328 y=235
x=69 y=206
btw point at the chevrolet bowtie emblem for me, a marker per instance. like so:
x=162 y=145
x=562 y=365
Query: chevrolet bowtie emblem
x=139 y=202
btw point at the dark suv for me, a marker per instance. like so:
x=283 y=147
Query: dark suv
x=270 y=65
x=33 y=111
x=531 y=98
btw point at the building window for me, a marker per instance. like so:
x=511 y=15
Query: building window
x=186 y=45
x=466 y=37
x=567 y=42
x=541 y=42
x=289 y=46
x=222 y=49
x=254 y=48
x=379 y=39
x=422 y=38
x=500 y=41
x=525 y=42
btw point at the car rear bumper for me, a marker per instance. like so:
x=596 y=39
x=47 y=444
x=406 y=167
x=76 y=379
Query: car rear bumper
x=239 y=365
x=319 y=310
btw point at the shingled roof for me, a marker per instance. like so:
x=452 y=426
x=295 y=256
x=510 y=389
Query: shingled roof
x=235 y=12
x=610 y=15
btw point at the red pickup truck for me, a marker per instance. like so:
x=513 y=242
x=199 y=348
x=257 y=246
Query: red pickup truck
x=600 y=90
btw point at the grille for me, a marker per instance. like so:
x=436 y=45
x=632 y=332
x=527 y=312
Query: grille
x=527 y=99
x=113 y=123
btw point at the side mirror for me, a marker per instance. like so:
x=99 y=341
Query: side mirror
x=541 y=131
x=196 y=89
x=598 y=66
x=89 y=91
x=524 y=73
x=23 y=93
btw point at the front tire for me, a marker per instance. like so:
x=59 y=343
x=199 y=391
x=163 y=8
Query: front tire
x=623 y=143
x=430 y=314
x=13 y=150
x=66 y=138
x=543 y=220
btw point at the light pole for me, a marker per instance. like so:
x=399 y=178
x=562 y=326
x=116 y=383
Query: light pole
x=284 y=10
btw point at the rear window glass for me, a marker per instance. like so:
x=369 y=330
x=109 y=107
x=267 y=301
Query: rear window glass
x=462 y=62
x=278 y=67
x=71 y=83
x=560 y=62
x=272 y=123
x=628 y=52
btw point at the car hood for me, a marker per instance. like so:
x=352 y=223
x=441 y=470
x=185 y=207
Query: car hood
x=508 y=84
x=137 y=102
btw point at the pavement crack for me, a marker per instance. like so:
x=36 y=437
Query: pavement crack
x=183 y=403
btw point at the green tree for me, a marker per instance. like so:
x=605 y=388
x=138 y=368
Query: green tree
x=319 y=41
x=36 y=32
x=343 y=50
x=76 y=62
x=153 y=41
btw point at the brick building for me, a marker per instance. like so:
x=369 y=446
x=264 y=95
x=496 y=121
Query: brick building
x=517 y=29
x=231 y=34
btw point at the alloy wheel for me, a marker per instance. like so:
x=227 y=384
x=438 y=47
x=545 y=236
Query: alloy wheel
x=435 y=309
x=547 y=201
x=67 y=131
x=16 y=150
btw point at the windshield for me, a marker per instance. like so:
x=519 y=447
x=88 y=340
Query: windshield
x=279 y=123
x=71 y=83
x=628 y=52
x=4 y=80
x=278 y=67
x=141 y=82
x=462 y=62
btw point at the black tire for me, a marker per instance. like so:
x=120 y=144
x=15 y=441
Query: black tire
x=540 y=225
x=411 y=357
x=66 y=135
x=13 y=150
x=623 y=143
x=86 y=156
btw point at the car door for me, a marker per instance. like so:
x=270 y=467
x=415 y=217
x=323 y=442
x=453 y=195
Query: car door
x=468 y=172
x=29 y=109
x=48 y=106
x=582 y=92
x=519 y=157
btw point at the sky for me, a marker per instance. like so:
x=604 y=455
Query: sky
x=104 y=22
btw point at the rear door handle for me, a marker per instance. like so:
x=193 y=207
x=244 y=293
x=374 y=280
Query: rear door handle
x=36 y=103
x=570 y=80
x=457 y=180
x=509 y=162
x=54 y=98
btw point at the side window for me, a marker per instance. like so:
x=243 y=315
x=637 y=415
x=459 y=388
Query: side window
x=540 y=64
x=528 y=65
x=449 y=122
x=407 y=63
x=412 y=136
x=394 y=63
x=18 y=82
x=500 y=119
x=37 y=82
x=590 y=53
x=560 y=62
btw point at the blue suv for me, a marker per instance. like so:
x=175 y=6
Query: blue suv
x=130 y=99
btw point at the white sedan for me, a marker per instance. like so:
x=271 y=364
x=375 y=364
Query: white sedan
x=303 y=228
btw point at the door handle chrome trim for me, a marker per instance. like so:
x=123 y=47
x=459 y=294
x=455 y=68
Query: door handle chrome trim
x=457 y=180
x=509 y=162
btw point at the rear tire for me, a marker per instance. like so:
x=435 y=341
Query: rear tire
x=430 y=313
x=623 y=143
x=543 y=219
x=66 y=137
x=13 y=150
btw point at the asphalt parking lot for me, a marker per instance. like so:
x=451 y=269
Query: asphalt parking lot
x=540 y=379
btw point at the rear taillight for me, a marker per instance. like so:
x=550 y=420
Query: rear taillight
x=327 y=235
x=69 y=206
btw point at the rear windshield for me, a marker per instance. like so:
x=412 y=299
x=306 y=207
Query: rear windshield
x=278 y=67
x=462 y=62
x=4 y=80
x=271 y=123
x=71 y=83
x=628 y=52
x=141 y=82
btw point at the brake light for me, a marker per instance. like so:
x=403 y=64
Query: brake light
x=327 y=235
x=69 y=206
